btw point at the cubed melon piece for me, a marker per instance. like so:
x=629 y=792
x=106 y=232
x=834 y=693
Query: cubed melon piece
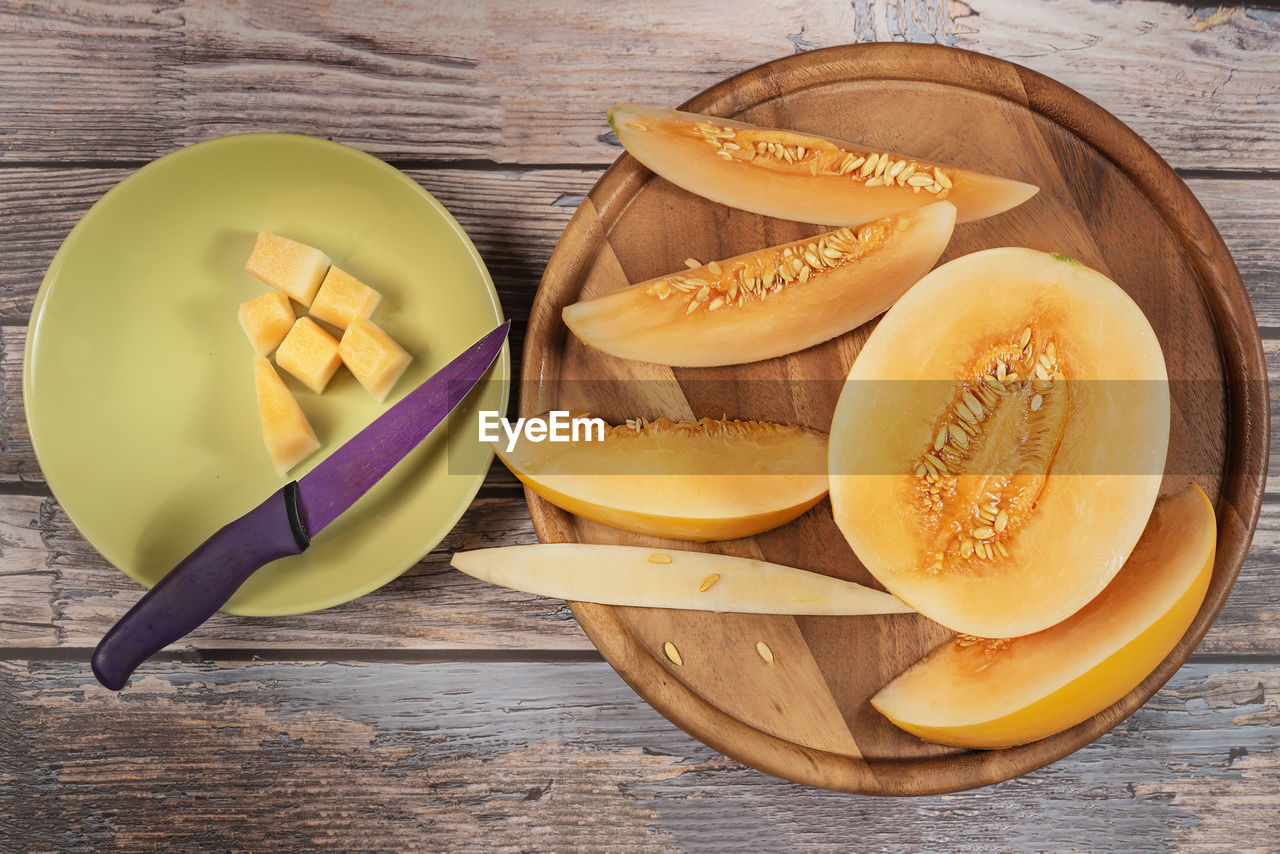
x=266 y=320
x=294 y=268
x=285 y=429
x=309 y=353
x=343 y=298
x=373 y=357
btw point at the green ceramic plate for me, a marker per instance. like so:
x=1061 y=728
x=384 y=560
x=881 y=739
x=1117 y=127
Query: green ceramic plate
x=138 y=381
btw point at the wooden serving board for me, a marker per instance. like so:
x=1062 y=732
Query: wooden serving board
x=1106 y=199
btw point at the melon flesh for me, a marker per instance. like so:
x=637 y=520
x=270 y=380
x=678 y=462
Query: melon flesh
x=285 y=429
x=770 y=302
x=294 y=268
x=266 y=320
x=669 y=578
x=986 y=694
x=699 y=481
x=373 y=357
x=343 y=298
x=796 y=176
x=998 y=446
x=310 y=354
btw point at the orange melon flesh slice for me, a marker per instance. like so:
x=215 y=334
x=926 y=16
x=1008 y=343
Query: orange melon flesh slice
x=373 y=357
x=310 y=354
x=979 y=693
x=670 y=578
x=294 y=268
x=770 y=302
x=796 y=176
x=999 y=444
x=285 y=429
x=343 y=298
x=699 y=481
x=266 y=320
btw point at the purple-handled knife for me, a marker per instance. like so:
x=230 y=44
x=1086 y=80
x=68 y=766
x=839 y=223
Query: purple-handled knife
x=285 y=523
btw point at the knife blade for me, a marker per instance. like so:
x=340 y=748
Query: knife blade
x=671 y=578
x=285 y=523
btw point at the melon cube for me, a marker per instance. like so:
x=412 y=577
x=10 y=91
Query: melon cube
x=343 y=298
x=266 y=320
x=292 y=267
x=373 y=357
x=285 y=429
x=309 y=353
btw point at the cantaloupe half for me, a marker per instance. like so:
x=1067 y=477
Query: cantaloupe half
x=980 y=693
x=797 y=176
x=998 y=446
x=770 y=302
x=688 y=480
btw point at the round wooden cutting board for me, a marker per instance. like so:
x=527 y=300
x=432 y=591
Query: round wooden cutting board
x=1106 y=199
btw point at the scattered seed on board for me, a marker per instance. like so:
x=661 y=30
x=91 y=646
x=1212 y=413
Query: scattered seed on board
x=658 y=557
x=765 y=652
x=672 y=653
x=708 y=582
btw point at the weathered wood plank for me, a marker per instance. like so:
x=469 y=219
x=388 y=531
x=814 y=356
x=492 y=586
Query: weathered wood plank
x=59 y=592
x=551 y=757
x=528 y=83
x=1197 y=84
x=514 y=218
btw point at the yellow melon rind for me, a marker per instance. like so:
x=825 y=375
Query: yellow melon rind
x=980 y=694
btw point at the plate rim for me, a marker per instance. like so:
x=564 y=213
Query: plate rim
x=500 y=374
x=1218 y=281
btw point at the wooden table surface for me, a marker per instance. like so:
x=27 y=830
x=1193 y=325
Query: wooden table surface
x=441 y=714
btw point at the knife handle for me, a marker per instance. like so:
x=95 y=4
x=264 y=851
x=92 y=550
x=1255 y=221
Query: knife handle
x=200 y=585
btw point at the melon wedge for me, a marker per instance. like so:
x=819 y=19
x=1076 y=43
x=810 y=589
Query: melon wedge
x=770 y=302
x=285 y=429
x=796 y=176
x=699 y=481
x=982 y=693
x=668 y=578
x=998 y=446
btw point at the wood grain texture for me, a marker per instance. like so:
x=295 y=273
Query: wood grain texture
x=39 y=206
x=1106 y=200
x=504 y=103
x=556 y=757
x=528 y=83
x=59 y=592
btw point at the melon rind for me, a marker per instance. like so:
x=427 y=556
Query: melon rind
x=696 y=481
x=983 y=695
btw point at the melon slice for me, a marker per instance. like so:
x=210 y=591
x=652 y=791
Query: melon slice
x=669 y=578
x=266 y=320
x=285 y=429
x=310 y=354
x=373 y=357
x=770 y=302
x=343 y=298
x=980 y=693
x=294 y=268
x=998 y=446
x=703 y=480
x=790 y=175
